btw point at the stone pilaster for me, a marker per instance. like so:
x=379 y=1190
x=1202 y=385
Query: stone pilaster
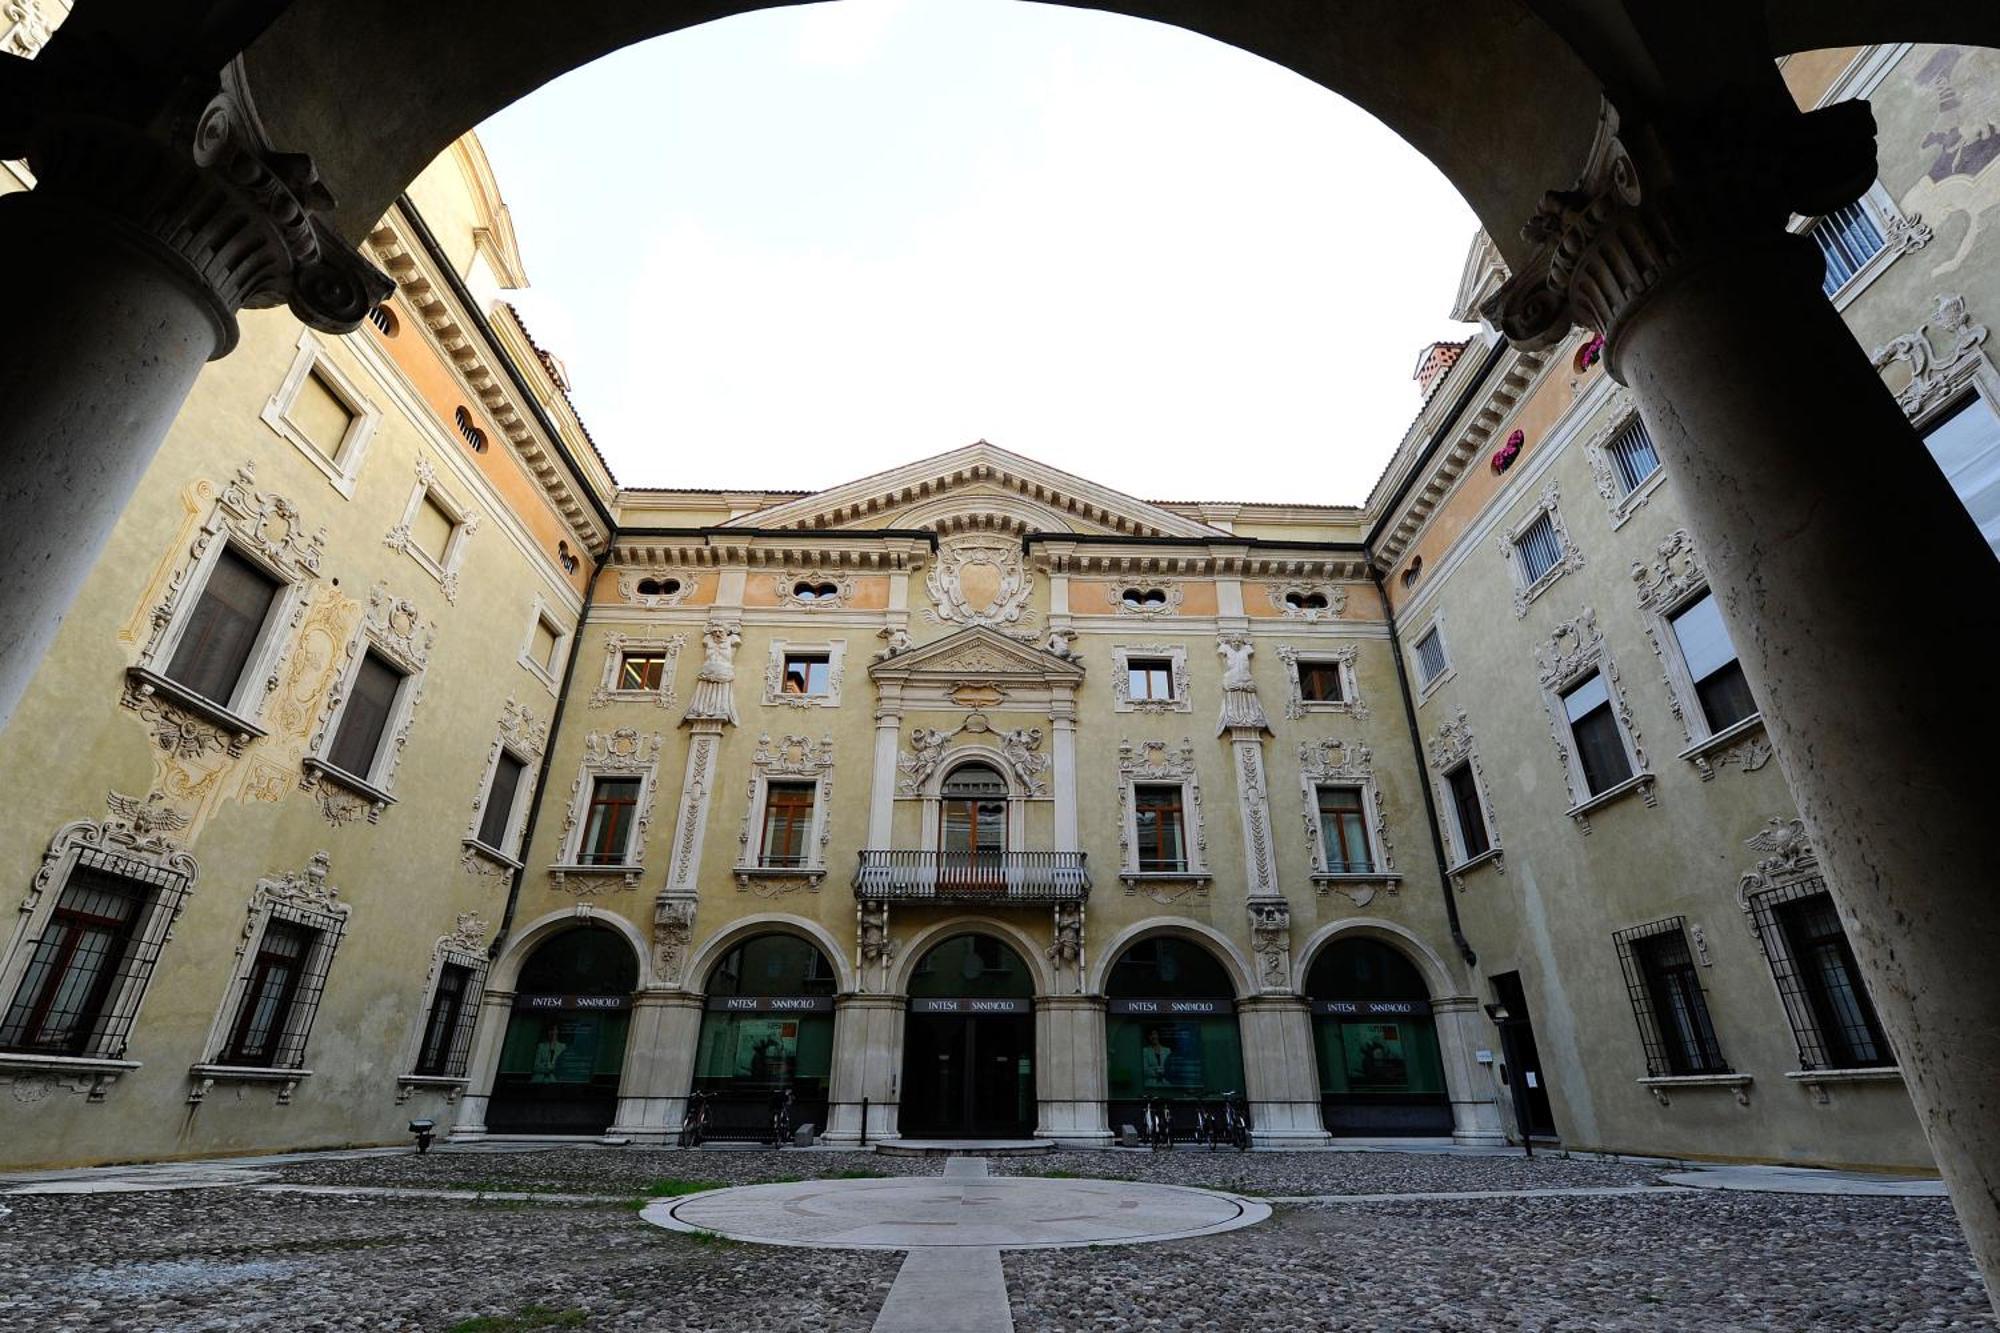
x=659 y=1065
x=867 y=1062
x=1279 y=1070
x=1475 y=1103
x=1069 y=1070
x=496 y=1007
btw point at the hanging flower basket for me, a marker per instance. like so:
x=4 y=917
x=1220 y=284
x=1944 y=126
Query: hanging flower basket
x=1590 y=353
x=1504 y=456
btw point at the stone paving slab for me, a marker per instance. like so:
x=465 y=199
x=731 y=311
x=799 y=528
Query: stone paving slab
x=1802 y=1180
x=942 y=1290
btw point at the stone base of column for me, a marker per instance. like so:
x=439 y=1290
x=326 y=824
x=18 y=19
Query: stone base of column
x=1069 y=1070
x=867 y=1063
x=1281 y=1073
x=1475 y=1119
x=659 y=1066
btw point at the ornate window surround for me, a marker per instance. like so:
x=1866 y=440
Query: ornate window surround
x=344 y=466
x=1331 y=762
x=524 y=736
x=786 y=581
x=1574 y=652
x=1525 y=592
x=1175 y=590
x=1900 y=235
x=396 y=632
x=303 y=896
x=790 y=758
x=1668 y=585
x=1350 y=702
x=628 y=586
x=774 y=673
x=465 y=946
x=619 y=753
x=1121 y=680
x=545 y=614
x=1621 y=412
x=1454 y=747
x=136 y=832
x=1159 y=763
x=1335 y=594
x=930 y=790
x=464 y=520
x=264 y=528
x=1940 y=375
x=616 y=645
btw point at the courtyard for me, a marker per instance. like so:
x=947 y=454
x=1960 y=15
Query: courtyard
x=491 y=1240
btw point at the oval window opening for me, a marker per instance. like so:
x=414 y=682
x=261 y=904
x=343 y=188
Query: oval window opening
x=474 y=436
x=1144 y=599
x=659 y=587
x=1306 y=601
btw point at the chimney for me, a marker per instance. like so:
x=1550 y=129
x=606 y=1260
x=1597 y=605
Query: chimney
x=1433 y=362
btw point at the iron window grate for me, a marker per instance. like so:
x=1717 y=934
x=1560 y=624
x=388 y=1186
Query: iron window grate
x=276 y=1039
x=1667 y=1000
x=1848 y=238
x=1633 y=456
x=1826 y=1002
x=1540 y=548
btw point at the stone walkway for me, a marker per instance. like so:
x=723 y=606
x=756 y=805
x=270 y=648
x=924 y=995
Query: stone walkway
x=506 y=1242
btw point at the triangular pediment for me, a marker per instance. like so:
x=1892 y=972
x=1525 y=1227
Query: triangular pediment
x=980 y=653
x=980 y=482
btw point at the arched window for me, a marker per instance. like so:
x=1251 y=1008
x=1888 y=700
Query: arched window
x=473 y=435
x=564 y=1051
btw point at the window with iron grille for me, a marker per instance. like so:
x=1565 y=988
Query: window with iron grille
x=1832 y=1016
x=607 y=825
x=448 y=1026
x=1430 y=655
x=1470 y=815
x=1667 y=1000
x=88 y=969
x=1160 y=822
x=281 y=990
x=788 y=818
x=1633 y=458
x=223 y=629
x=1539 y=548
x=1848 y=238
x=1342 y=833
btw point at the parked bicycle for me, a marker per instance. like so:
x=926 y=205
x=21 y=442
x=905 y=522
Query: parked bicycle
x=694 y=1124
x=1158 y=1129
x=781 y=1117
x=1233 y=1125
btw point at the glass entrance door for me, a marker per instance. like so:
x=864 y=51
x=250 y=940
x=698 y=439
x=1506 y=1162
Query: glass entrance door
x=969 y=1043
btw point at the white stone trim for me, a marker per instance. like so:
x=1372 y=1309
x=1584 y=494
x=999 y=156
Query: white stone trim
x=1572 y=654
x=1864 y=74
x=1568 y=559
x=394 y=630
x=774 y=673
x=1335 y=594
x=1426 y=688
x=629 y=579
x=1174 y=592
x=305 y=896
x=1667 y=585
x=1941 y=367
x=524 y=736
x=464 y=522
x=786 y=581
x=1343 y=656
x=1332 y=762
x=1121 y=682
x=791 y=758
x=551 y=674
x=344 y=465
x=1157 y=763
x=619 y=753
x=616 y=645
x=1663 y=1085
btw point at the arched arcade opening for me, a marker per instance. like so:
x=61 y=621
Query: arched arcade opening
x=766 y=1028
x=1376 y=1043
x=969 y=1042
x=1170 y=1030
x=561 y=1059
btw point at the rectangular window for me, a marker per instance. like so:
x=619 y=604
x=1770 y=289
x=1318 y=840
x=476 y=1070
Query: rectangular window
x=1319 y=682
x=1473 y=839
x=788 y=818
x=808 y=673
x=1965 y=441
x=1600 y=747
x=1341 y=832
x=1667 y=1000
x=607 y=826
x=1539 y=549
x=1848 y=238
x=1149 y=678
x=223 y=628
x=641 y=671
x=1818 y=978
x=431 y=529
x=543 y=647
x=85 y=951
x=276 y=1007
x=496 y=816
x=321 y=415
x=1633 y=458
x=1719 y=683
x=1430 y=656
x=365 y=718
x=1160 y=822
x=448 y=1027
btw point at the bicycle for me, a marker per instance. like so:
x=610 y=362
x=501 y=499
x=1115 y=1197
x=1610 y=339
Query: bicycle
x=781 y=1117
x=694 y=1123
x=1235 y=1126
x=1206 y=1125
x=1158 y=1129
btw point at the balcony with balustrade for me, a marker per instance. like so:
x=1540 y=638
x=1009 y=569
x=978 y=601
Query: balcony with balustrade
x=985 y=877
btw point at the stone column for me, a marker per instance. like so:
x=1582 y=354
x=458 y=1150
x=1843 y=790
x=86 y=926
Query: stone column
x=882 y=782
x=136 y=251
x=659 y=1065
x=1475 y=1111
x=1062 y=722
x=496 y=1007
x=1069 y=1070
x=1279 y=1069
x=867 y=1062
x=1860 y=596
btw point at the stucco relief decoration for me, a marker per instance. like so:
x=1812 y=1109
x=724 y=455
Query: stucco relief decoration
x=1061 y=642
x=1240 y=706
x=1066 y=937
x=622 y=752
x=1621 y=415
x=1345 y=658
x=468 y=936
x=1332 y=761
x=1574 y=650
x=1151 y=598
x=1020 y=747
x=1023 y=748
x=1308 y=601
x=1568 y=561
x=28 y=27
x=813 y=589
x=1666 y=583
x=714 y=697
x=788 y=757
x=694 y=808
x=895 y=641
x=1271 y=941
x=392 y=627
x=1962 y=145
x=613 y=688
x=981 y=579
x=1148 y=761
x=655 y=588
x=138 y=829
x=1255 y=811
x=873 y=945
x=775 y=694
x=673 y=928
x=527 y=735
x=304 y=891
x=1174 y=654
x=1454 y=744
x=1787 y=857
x=915 y=765
x=1939 y=356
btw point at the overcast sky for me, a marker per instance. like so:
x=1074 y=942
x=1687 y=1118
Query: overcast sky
x=790 y=248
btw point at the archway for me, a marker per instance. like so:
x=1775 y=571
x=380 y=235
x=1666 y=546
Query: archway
x=565 y=1045
x=767 y=1027
x=969 y=1042
x=1170 y=1029
x=1375 y=1042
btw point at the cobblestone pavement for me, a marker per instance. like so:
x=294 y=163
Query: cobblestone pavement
x=262 y=1258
